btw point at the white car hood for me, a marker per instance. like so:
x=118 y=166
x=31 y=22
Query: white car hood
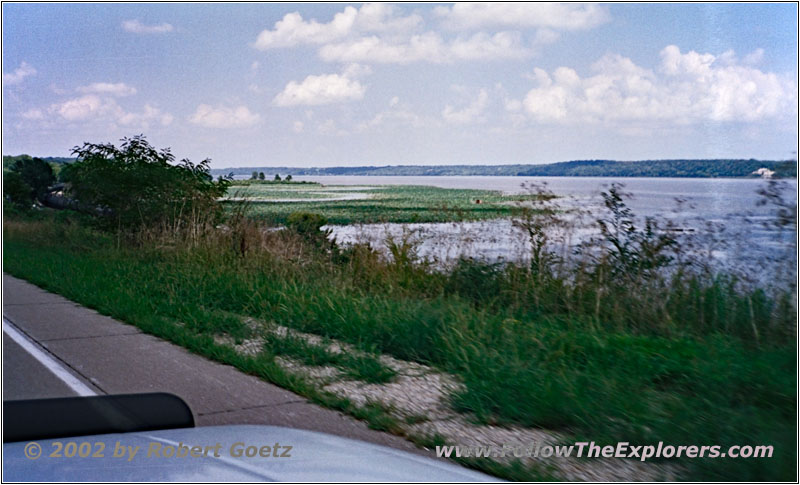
x=315 y=457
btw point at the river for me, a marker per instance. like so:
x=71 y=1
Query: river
x=725 y=215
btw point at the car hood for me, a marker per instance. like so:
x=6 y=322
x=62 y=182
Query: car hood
x=313 y=457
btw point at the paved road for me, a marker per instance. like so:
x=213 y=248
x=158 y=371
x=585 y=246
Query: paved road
x=24 y=377
x=99 y=354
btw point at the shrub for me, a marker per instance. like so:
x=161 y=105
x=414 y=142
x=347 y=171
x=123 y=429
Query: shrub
x=136 y=186
x=633 y=252
x=306 y=224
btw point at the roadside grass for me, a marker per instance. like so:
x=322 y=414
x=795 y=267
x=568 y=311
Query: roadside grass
x=679 y=364
x=379 y=417
x=514 y=471
x=359 y=366
x=386 y=204
x=190 y=327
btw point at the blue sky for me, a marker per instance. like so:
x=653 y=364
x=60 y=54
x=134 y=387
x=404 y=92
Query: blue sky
x=353 y=84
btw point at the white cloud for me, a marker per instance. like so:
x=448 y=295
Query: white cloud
x=384 y=17
x=729 y=58
x=754 y=57
x=224 y=117
x=354 y=71
x=502 y=45
x=293 y=30
x=136 y=27
x=686 y=88
x=297 y=126
x=558 y=16
x=394 y=116
x=83 y=107
x=379 y=33
x=692 y=63
x=394 y=101
x=111 y=89
x=92 y=108
x=148 y=115
x=24 y=70
x=545 y=36
x=427 y=47
x=322 y=89
x=33 y=114
x=513 y=105
x=468 y=114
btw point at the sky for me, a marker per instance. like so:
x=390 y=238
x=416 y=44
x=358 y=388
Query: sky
x=315 y=85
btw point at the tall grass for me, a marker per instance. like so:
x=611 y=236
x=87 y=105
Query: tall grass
x=627 y=341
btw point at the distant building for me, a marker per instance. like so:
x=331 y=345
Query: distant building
x=764 y=172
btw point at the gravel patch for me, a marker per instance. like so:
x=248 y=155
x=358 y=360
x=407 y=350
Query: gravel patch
x=249 y=347
x=320 y=373
x=419 y=397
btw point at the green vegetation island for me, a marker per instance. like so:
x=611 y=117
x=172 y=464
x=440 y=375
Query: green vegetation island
x=636 y=338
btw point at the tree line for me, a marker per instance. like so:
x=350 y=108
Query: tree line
x=713 y=168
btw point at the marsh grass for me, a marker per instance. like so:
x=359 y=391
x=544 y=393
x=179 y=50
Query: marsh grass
x=385 y=204
x=620 y=344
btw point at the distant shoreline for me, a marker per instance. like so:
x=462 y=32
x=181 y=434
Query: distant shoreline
x=673 y=168
x=718 y=168
x=241 y=177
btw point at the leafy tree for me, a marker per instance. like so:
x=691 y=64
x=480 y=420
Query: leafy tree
x=9 y=160
x=36 y=173
x=136 y=186
x=261 y=176
x=277 y=177
x=16 y=190
x=289 y=178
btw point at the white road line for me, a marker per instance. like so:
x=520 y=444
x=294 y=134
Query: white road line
x=46 y=360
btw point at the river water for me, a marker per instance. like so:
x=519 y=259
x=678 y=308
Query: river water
x=722 y=215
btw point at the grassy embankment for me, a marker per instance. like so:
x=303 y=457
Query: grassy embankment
x=609 y=352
